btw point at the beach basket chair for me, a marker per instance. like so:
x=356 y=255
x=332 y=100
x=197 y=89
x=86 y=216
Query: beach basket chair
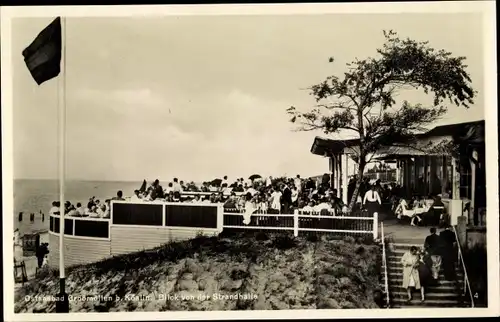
x=20 y=275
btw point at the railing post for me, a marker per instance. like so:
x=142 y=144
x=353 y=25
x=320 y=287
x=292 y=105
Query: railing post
x=220 y=218
x=163 y=215
x=375 y=225
x=296 y=222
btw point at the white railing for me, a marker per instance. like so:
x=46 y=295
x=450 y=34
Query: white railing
x=461 y=260
x=384 y=261
x=299 y=216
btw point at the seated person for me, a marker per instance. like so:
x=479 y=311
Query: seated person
x=93 y=212
x=309 y=208
x=419 y=209
x=433 y=215
x=402 y=210
x=324 y=205
x=136 y=197
x=80 y=211
x=338 y=205
x=231 y=202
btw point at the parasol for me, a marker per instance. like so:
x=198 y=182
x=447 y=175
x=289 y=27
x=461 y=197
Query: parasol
x=255 y=176
x=216 y=182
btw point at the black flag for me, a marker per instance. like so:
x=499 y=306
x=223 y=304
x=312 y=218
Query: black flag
x=43 y=55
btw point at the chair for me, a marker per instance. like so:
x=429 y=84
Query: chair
x=403 y=211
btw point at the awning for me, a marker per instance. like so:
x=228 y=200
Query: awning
x=402 y=152
x=328 y=147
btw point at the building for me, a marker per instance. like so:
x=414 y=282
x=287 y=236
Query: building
x=447 y=160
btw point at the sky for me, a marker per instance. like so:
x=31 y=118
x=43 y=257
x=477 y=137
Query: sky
x=200 y=97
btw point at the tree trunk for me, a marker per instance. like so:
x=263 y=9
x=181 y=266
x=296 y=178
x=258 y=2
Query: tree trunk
x=359 y=180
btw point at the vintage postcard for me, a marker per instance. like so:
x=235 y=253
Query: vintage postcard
x=250 y=161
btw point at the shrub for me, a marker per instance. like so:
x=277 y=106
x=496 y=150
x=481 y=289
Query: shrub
x=261 y=236
x=312 y=238
x=284 y=242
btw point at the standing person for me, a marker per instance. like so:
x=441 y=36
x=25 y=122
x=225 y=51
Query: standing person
x=224 y=183
x=411 y=278
x=176 y=185
x=448 y=252
x=287 y=199
x=249 y=209
x=298 y=183
x=372 y=201
x=424 y=273
x=295 y=196
x=431 y=246
x=40 y=252
x=276 y=200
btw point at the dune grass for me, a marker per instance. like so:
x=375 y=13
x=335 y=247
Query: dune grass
x=239 y=271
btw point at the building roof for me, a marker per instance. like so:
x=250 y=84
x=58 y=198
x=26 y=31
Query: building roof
x=328 y=147
x=468 y=132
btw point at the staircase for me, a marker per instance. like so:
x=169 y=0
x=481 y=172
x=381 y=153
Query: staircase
x=443 y=294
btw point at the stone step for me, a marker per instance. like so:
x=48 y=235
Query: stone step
x=402 y=302
x=441 y=289
x=400 y=293
x=396 y=274
x=399 y=269
x=399 y=281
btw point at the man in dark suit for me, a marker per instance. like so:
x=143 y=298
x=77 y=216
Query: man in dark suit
x=432 y=247
x=448 y=252
x=286 y=199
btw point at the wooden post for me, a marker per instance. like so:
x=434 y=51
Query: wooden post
x=375 y=225
x=335 y=172
x=339 y=164
x=432 y=174
x=473 y=188
x=424 y=172
x=344 y=178
x=398 y=172
x=444 y=181
x=455 y=178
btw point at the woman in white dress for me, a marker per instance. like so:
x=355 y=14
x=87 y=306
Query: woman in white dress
x=250 y=208
x=276 y=200
x=411 y=278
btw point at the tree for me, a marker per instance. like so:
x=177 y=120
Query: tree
x=362 y=101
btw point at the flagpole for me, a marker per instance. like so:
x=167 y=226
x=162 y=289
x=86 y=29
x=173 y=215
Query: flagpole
x=62 y=305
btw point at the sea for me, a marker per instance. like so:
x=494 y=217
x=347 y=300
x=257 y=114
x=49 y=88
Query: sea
x=35 y=196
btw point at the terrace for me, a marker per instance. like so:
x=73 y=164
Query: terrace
x=138 y=226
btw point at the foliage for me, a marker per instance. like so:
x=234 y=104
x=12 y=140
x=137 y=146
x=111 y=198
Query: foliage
x=477 y=269
x=363 y=101
x=283 y=277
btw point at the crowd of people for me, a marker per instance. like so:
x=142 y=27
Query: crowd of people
x=272 y=195
x=421 y=267
x=264 y=195
x=276 y=195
